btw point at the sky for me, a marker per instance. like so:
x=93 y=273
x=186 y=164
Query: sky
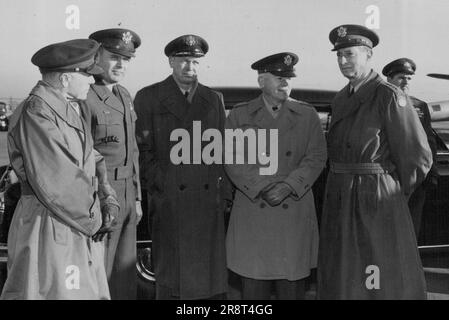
x=239 y=32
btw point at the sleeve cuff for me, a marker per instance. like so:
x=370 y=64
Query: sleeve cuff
x=253 y=191
x=300 y=188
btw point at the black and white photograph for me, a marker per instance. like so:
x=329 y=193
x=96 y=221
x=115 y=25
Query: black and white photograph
x=224 y=151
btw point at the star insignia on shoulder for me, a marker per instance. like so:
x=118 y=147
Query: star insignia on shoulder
x=402 y=101
x=287 y=60
x=342 y=32
x=127 y=37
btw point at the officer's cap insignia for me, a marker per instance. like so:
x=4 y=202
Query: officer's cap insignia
x=190 y=41
x=288 y=60
x=402 y=101
x=341 y=32
x=127 y=37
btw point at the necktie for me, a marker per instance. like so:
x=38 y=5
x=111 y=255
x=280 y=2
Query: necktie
x=186 y=94
x=116 y=92
x=351 y=91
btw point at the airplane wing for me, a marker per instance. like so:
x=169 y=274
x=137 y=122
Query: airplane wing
x=438 y=75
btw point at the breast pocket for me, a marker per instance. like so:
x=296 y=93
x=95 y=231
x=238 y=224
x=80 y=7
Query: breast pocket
x=109 y=127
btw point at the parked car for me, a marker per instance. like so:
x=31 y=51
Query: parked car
x=5 y=112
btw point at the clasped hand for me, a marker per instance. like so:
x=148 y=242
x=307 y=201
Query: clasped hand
x=275 y=193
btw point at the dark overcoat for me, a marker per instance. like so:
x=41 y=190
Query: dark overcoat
x=378 y=153
x=186 y=199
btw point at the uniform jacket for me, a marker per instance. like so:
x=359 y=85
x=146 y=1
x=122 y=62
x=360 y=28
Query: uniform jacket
x=186 y=199
x=280 y=242
x=51 y=152
x=380 y=153
x=113 y=130
x=112 y=120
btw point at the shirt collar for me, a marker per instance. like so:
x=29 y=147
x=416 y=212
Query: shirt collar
x=361 y=83
x=192 y=89
x=272 y=108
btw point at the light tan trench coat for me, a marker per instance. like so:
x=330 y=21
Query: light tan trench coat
x=50 y=251
x=280 y=242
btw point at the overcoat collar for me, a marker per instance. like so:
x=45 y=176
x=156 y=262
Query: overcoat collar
x=172 y=99
x=61 y=107
x=284 y=121
x=58 y=104
x=107 y=97
x=344 y=104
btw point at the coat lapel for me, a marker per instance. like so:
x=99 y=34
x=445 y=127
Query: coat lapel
x=88 y=141
x=62 y=108
x=262 y=117
x=107 y=97
x=199 y=108
x=125 y=99
x=58 y=104
x=286 y=119
x=345 y=105
x=172 y=99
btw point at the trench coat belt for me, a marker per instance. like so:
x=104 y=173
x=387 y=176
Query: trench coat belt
x=121 y=173
x=361 y=168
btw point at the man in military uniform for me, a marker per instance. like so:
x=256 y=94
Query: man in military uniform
x=109 y=110
x=378 y=154
x=400 y=72
x=272 y=237
x=51 y=249
x=187 y=199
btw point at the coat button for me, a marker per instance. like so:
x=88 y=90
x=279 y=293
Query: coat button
x=285 y=206
x=89 y=263
x=182 y=187
x=348 y=145
x=288 y=153
x=263 y=205
x=206 y=186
